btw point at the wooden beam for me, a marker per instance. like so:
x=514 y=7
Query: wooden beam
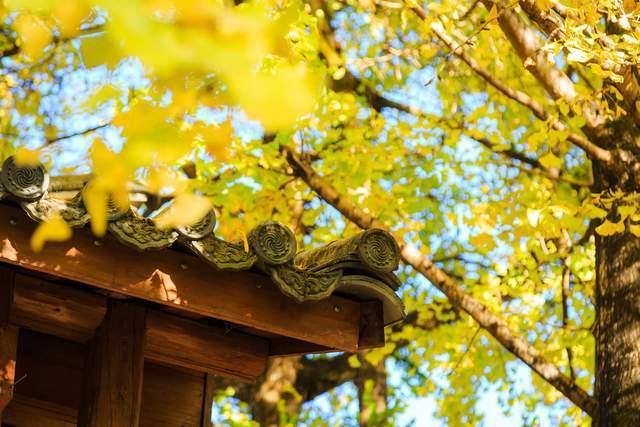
x=287 y=347
x=206 y=348
x=25 y=411
x=75 y=314
x=181 y=281
x=56 y=309
x=8 y=340
x=371 y=325
x=112 y=380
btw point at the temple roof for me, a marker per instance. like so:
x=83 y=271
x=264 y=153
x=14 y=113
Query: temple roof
x=360 y=267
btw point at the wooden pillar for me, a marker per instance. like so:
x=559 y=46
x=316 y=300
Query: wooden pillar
x=207 y=400
x=112 y=379
x=8 y=339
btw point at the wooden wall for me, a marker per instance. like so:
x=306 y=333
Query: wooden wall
x=49 y=393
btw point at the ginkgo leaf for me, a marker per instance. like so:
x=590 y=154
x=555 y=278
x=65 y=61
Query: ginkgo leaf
x=354 y=362
x=608 y=228
x=27 y=158
x=592 y=211
x=493 y=14
x=186 y=209
x=550 y=160
x=55 y=229
x=635 y=229
x=533 y=215
x=96 y=201
x=69 y=15
x=34 y=34
x=626 y=210
x=544 y=5
x=578 y=55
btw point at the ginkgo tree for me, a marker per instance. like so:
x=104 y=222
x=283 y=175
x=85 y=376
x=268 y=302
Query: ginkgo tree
x=497 y=140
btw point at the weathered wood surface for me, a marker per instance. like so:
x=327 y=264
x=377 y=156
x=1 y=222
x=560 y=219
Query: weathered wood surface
x=112 y=378
x=181 y=281
x=75 y=314
x=50 y=369
x=50 y=394
x=170 y=397
x=28 y=412
x=205 y=348
x=56 y=309
x=8 y=340
x=371 y=325
x=51 y=373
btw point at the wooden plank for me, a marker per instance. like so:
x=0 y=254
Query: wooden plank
x=287 y=347
x=371 y=325
x=28 y=412
x=50 y=393
x=112 y=380
x=170 y=397
x=8 y=340
x=56 y=309
x=49 y=369
x=206 y=348
x=74 y=314
x=207 y=401
x=181 y=281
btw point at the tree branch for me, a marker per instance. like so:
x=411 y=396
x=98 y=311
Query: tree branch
x=592 y=150
x=79 y=133
x=457 y=296
x=528 y=46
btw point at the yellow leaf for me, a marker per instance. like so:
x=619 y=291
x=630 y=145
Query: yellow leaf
x=98 y=50
x=544 y=5
x=69 y=15
x=353 y=361
x=626 y=210
x=186 y=209
x=608 y=228
x=25 y=157
x=550 y=160
x=277 y=99
x=592 y=211
x=216 y=139
x=635 y=229
x=33 y=33
x=493 y=14
x=55 y=229
x=161 y=179
x=533 y=215
x=95 y=200
x=629 y=5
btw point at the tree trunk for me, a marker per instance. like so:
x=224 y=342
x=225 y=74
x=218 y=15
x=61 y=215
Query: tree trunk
x=617 y=326
x=372 y=393
x=277 y=386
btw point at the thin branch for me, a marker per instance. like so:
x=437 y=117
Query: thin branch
x=466 y=351
x=457 y=296
x=79 y=133
x=566 y=280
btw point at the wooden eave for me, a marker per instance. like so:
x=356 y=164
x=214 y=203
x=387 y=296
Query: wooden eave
x=334 y=298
